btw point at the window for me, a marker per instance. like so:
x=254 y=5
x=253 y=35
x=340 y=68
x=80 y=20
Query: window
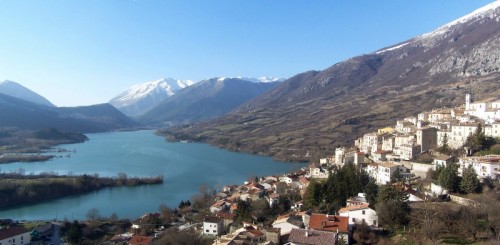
x=215 y=231
x=374 y=222
x=363 y=212
x=207 y=231
x=353 y=219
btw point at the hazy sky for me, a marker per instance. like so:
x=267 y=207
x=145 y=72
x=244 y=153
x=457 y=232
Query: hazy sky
x=86 y=52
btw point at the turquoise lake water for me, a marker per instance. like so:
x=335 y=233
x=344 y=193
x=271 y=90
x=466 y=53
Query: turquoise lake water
x=185 y=167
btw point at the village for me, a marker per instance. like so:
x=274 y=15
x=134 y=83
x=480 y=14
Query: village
x=297 y=208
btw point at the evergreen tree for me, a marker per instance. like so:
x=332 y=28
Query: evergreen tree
x=244 y=211
x=393 y=208
x=371 y=192
x=470 y=182
x=449 y=179
x=477 y=140
x=75 y=233
x=314 y=194
x=445 y=148
x=182 y=204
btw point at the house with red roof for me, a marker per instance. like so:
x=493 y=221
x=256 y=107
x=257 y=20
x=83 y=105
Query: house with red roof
x=14 y=236
x=330 y=223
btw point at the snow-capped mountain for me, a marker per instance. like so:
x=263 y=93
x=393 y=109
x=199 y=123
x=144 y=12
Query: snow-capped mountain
x=477 y=17
x=140 y=98
x=18 y=91
x=262 y=79
x=205 y=100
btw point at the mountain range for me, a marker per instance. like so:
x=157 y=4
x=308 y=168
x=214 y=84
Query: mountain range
x=24 y=109
x=210 y=98
x=143 y=97
x=316 y=111
x=205 y=100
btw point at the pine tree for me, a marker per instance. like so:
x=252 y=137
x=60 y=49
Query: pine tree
x=445 y=148
x=448 y=178
x=371 y=192
x=470 y=182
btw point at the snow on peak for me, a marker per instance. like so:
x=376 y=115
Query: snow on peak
x=478 y=13
x=254 y=79
x=163 y=88
x=487 y=10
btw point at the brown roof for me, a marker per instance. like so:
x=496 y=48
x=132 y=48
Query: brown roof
x=312 y=237
x=11 y=232
x=223 y=215
x=141 y=240
x=212 y=219
x=324 y=222
x=354 y=207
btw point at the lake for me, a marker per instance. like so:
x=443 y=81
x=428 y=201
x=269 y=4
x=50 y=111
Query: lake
x=185 y=167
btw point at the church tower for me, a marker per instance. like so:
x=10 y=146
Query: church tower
x=468 y=101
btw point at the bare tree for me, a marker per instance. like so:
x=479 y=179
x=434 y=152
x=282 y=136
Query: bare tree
x=93 y=214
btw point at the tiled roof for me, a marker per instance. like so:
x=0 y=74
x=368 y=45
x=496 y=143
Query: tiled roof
x=223 y=215
x=141 y=240
x=325 y=222
x=354 y=207
x=312 y=237
x=11 y=232
x=211 y=219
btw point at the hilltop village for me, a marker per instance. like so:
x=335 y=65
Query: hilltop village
x=417 y=181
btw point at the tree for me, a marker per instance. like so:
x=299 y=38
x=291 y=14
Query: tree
x=342 y=184
x=244 y=211
x=113 y=217
x=470 y=183
x=74 y=234
x=468 y=224
x=448 y=178
x=166 y=214
x=314 y=194
x=371 y=192
x=392 y=207
x=93 y=214
x=363 y=234
x=477 y=140
x=445 y=148
x=429 y=221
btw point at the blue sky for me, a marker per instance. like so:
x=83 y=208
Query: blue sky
x=86 y=52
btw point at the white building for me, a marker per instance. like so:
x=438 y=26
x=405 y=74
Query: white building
x=317 y=172
x=14 y=236
x=287 y=223
x=493 y=129
x=487 y=110
x=358 y=214
x=385 y=171
x=212 y=226
x=485 y=166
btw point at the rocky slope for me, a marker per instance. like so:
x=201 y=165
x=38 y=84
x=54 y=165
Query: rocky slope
x=313 y=112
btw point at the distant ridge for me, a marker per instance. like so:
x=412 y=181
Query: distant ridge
x=17 y=90
x=22 y=114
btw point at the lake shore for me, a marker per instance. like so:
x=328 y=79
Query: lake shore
x=17 y=189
